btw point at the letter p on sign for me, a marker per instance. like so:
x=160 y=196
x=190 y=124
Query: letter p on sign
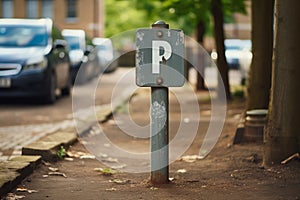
x=157 y=45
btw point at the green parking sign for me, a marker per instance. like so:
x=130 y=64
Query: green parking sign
x=159 y=57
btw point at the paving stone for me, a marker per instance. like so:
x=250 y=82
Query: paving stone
x=12 y=172
x=14 y=165
x=48 y=146
x=62 y=137
x=7 y=178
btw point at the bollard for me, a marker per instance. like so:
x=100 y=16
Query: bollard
x=159 y=133
x=159 y=65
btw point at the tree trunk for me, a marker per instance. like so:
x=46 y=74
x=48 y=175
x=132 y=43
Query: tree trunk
x=282 y=135
x=262 y=47
x=200 y=37
x=217 y=12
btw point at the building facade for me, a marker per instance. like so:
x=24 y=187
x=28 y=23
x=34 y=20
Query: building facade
x=72 y=14
x=241 y=28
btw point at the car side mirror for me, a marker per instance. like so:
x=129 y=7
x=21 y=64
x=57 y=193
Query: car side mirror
x=60 y=43
x=88 y=50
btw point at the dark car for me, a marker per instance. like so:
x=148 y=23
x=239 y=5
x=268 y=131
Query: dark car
x=34 y=60
x=84 y=60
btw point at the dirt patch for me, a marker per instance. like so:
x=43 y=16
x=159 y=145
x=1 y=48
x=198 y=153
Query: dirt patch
x=228 y=172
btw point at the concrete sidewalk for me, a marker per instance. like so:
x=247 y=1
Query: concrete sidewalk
x=228 y=172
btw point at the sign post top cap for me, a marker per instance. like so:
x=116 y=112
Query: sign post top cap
x=160 y=24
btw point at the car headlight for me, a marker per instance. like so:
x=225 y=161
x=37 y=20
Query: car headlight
x=76 y=56
x=35 y=63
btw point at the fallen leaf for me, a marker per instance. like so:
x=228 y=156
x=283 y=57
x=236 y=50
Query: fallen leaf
x=181 y=171
x=46 y=163
x=57 y=174
x=69 y=159
x=105 y=171
x=12 y=196
x=111 y=189
x=252 y=158
x=53 y=169
x=87 y=157
x=292 y=157
x=118 y=166
x=103 y=155
x=190 y=158
x=75 y=154
x=118 y=181
x=153 y=188
x=23 y=189
x=110 y=160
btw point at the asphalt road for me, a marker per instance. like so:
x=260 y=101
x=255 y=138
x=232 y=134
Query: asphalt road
x=23 y=121
x=15 y=112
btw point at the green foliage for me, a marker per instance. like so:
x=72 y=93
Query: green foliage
x=239 y=92
x=127 y=15
x=123 y=16
x=61 y=153
x=188 y=13
x=233 y=6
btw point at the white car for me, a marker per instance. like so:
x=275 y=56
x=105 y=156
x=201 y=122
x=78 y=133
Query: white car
x=106 y=54
x=245 y=60
x=238 y=55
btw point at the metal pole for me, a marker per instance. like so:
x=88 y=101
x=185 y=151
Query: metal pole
x=159 y=129
x=159 y=135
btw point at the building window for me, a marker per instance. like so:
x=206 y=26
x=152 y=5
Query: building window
x=7 y=9
x=71 y=10
x=32 y=9
x=47 y=7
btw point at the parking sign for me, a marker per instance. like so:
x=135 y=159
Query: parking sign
x=159 y=57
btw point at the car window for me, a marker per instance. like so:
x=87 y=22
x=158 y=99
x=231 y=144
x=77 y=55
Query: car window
x=73 y=41
x=228 y=47
x=23 y=36
x=237 y=45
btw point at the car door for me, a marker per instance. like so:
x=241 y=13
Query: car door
x=61 y=59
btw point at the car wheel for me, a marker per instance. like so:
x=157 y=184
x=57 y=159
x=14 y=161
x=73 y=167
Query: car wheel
x=50 y=96
x=66 y=91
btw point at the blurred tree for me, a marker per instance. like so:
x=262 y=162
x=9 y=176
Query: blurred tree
x=217 y=12
x=195 y=16
x=259 y=82
x=123 y=16
x=282 y=137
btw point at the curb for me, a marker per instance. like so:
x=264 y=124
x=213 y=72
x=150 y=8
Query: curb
x=49 y=145
x=14 y=171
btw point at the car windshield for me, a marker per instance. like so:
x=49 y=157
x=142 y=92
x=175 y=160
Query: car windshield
x=233 y=47
x=22 y=36
x=73 y=42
